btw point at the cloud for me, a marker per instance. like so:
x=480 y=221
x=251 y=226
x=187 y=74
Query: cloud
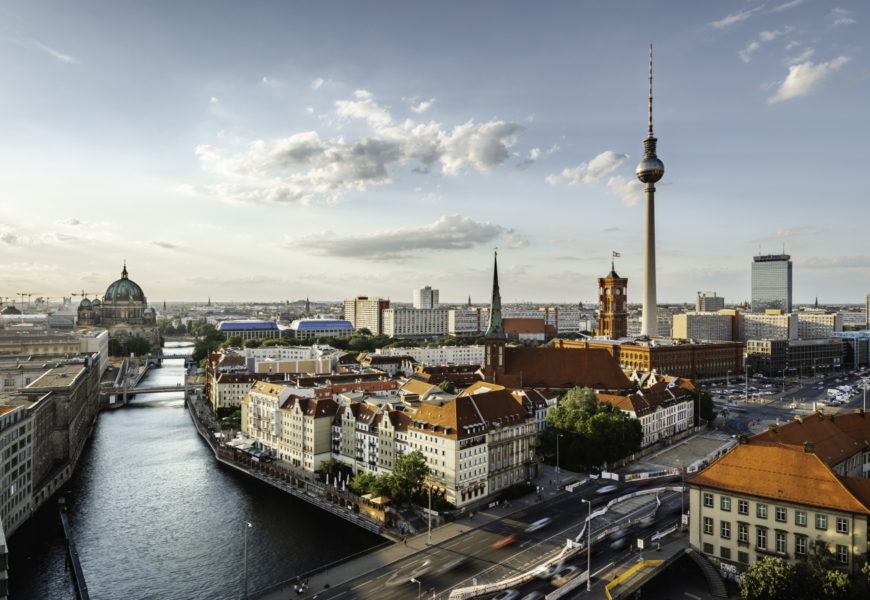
x=590 y=172
x=423 y=106
x=735 y=17
x=630 y=191
x=318 y=83
x=64 y=58
x=612 y=228
x=304 y=168
x=763 y=38
x=534 y=154
x=787 y=5
x=165 y=245
x=805 y=77
x=808 y=52
x=790 y=233
x=213 y=100
x=835 y=262
x=449 y=232
x=841 y=16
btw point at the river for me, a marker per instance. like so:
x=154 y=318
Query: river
x=155 y=516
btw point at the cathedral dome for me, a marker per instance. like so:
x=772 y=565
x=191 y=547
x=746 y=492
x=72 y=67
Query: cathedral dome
x=96 y=302
x=124 y=290
x=10 y=310
x=85 y=303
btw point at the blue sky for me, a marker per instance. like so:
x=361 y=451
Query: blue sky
x=278 y=150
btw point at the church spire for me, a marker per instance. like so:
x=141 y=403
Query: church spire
x=495 y=331
x=124 y=270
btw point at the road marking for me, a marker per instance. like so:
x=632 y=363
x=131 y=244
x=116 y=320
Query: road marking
x=344 y=592
x=692 y=596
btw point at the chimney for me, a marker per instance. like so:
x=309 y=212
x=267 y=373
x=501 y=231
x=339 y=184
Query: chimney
x=809 y=447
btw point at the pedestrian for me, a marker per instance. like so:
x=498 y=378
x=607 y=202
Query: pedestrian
x=405 y=541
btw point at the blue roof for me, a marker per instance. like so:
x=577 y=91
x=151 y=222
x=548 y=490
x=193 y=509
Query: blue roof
x=246 y=325
x=320 y=324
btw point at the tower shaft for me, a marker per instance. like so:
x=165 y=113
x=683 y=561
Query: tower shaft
x=649 y=317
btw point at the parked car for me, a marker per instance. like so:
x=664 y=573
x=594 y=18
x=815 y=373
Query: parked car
x=564 y=575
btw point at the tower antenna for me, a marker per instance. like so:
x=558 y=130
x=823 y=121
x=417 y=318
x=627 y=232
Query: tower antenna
x=650 y=125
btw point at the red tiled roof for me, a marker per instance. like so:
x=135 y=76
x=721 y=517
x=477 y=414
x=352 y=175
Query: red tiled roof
x=834 y=438
x=562 y=368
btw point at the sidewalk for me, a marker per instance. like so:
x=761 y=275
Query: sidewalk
x=352 y=567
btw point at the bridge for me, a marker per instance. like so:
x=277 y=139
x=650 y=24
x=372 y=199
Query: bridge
x=157 y=389
x=165 y=356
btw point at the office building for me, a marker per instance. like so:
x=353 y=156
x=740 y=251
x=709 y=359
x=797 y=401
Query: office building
x=772 y=325
x=366 y=313
x=775 y=358
x=414 y=322
x=709 y=302
x=771 y=283
x=711 y=326
x=425 y=297
x=812 y=325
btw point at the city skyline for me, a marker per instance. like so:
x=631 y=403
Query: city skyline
x=289 y=151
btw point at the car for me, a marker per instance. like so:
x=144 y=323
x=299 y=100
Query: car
x=606 y=489
x=506 y=541
x=564 y=575
x=453 y=564
x=535 y=595
x=539 y=524
x=506 y=595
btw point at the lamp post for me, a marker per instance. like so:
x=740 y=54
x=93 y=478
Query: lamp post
x=558 y=470
x=682 y=493
x=728 y=378
x=745 y=380
x=419 y=587
x=588 y=546
x=245 y=578
x=429 y=534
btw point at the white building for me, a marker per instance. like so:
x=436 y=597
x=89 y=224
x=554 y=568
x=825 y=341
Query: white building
x=474 y=321
x=445 y=355
x=703 y=326
x=663 y=409
x=366 y=313
x=816 y=325
x=770 y=326
x=413 y=322
x=425 y=297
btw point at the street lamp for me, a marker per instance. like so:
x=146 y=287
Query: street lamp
x=429 y=535
x=558 y=470
x=588 y=546
x=419 y=587
x=247 y=526
x=682 y=492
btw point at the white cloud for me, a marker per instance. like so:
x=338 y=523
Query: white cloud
x=423 y=106
x=64 y=58
x=630 y=191
x=591 y=172
x=808 y=52
x=841 y=16
x=534 y=154
x=805 y=77
x=611 y=228
x=317 y=83
x=304 y=168
x=164 y=245
x=213 y=100
x=735 y=17
x=764 y=37
x=449 y=232
x=746 y=53
x=787 y=5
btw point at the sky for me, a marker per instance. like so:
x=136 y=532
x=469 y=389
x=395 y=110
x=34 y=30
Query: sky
x=283 y=150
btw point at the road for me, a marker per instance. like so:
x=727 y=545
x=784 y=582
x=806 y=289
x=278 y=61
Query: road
x=438 y=571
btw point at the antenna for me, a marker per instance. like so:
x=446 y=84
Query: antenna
x=650 y=126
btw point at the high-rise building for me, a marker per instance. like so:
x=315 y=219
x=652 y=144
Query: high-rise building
x=425 y=297
x=366 y=313
x=771 y=283
x=867 y=311
x=649 y=171
x=709 y=302
x=612 y=309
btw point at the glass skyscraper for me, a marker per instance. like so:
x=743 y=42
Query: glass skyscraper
x=771 y=283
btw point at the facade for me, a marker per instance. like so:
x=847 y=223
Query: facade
x=425 y=297
x=709 y=302
x=776 y=357
x=782 y=490
x=444 y=355
x=818 y=325
x=663 y=409
x=415 y=323
x=250 y=329
x=366 y=313
x=771 y=325
x=473 y=321
x=771 y=283
x=678 y=358
x=612 y=306
x=710 y=326
x=856 y=348
x=45 y=343
x=304 y=329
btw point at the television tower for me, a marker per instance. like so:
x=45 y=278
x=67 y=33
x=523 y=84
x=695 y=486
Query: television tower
x=649 y=171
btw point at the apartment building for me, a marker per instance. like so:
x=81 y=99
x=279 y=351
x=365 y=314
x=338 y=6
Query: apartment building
x=366 y=313
x=664 y=409
x=818 y=325
x=444 y=355
x=415 y=323
x=778 y=492
x=710 y=326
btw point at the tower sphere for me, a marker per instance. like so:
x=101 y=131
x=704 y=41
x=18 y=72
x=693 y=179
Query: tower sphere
x=650 y=169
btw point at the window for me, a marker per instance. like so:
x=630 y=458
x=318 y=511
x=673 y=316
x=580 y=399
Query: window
x=761 y=510
x=800 y=518
x=725 y=530
x=842 y=554
x=725 y=503
x=821 y=521
x=708 y=548
x=708 y=500
x=780 y=514
x=743 y=507
x=743 y=557
x=725 y=552
x=800 y=545
x=708 y=525
x=743 y=533
x=780 y=542
x=842 y=525
x=761 y=538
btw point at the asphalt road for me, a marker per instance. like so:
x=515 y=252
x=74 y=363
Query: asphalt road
x=438 y=572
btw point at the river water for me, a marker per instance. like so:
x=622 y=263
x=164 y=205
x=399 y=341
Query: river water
x=155 y=516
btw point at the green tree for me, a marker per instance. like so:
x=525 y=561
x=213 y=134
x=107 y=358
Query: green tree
x=362 y=482
x=235 y=341
x=410 y=472
x=447 y=386
x=769 y=579
x=706 y=408
x=384 y=485
x=253 y=343
x=364 y=331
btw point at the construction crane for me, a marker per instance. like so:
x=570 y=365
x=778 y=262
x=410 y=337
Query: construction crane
x=84 y=294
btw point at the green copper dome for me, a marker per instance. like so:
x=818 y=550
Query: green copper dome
x=85 y=302
x=124 y=290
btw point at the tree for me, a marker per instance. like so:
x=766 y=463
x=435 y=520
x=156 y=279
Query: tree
x=364 y=331
x=253 y=343
x=447 y=386
x=362 y=482
x=769 y=579
x=410 y=472
x=234 y=340
x=706 y=408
